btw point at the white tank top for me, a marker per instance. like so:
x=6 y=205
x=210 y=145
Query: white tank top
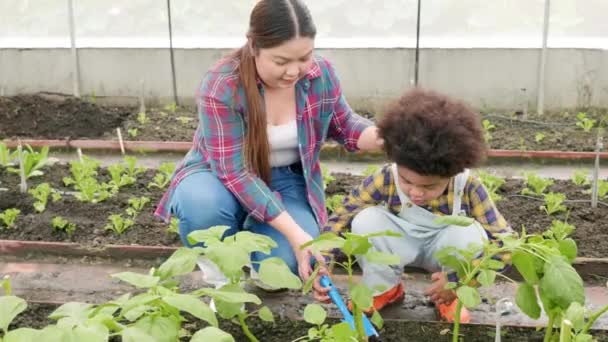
x=283 y=141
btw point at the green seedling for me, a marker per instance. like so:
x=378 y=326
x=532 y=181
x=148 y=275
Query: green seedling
x=173 y=226
x=9 y=216
x=33 y=161
x=535 y=185
x=353 y=246
x=118 y=224
x=60 y=224
x=119 y=177
x=184 y=120
x=492 y=184
x=579 y=178
x=584 y=122
x=602 y=188
x=539 y=137
x=142 y=118
x=136 y=205
x=554 y=203
x=131 y=167
x=89 y=190
x=488 y=127
x=132 y=132
x=163 y=176
x=539 y=259
x=231 y=254
x=80 y=170
x=41 y=195
x=6 y=157
x=334 y=202
x=327 y=177
x=171 y=107
x=371 y=170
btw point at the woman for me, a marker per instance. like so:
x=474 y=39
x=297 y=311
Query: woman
x=264 y=114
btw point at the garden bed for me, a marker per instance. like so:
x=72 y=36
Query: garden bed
x=591 y=233
x=58 y=117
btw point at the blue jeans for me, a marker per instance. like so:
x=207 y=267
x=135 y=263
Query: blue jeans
x=201 y=201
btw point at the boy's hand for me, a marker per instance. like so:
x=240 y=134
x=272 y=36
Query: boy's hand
x=437 y=291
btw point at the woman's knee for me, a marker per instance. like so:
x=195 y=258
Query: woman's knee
x=201 y=201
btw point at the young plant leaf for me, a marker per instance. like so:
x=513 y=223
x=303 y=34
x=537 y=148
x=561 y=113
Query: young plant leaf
x=209 y=334
x=469 y=296
x=275 y=272
x=527 y=301
x=314 y=314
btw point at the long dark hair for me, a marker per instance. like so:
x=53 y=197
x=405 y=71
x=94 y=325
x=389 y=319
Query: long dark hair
x=272 y=23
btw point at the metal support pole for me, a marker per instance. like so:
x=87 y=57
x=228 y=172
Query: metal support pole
x=540 y=103
x=75 y=67
x=416 y=62
x=171 y=53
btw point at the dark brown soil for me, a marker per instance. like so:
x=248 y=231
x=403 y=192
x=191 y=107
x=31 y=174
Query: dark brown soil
x=591 y=232
x=559 y=130
x=90 y=219
x=164 y=124
x=56 y=117
x=287 y=330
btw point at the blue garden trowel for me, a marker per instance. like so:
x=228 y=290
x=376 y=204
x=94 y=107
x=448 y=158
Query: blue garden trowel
x=347 y=316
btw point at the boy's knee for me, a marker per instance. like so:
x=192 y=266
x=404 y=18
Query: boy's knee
x=463 y=237
x=368 y=221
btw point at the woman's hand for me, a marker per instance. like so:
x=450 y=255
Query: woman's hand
x=305 y=256
x=369 y=140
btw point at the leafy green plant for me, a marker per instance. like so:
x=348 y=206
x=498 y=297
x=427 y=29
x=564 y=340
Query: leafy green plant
x=142 y=118
x=89 y=190
x=6 y=157
x=171 y=107
x=60 y=224
x=184 y=120
x=33 y=161
x=602 y=188
x=554 y=203
x=315 y=314
x=542 y=262
x=119 y=177
x=152 y=315
x=41 y=195
x=334 y=202
x=579 y=178
x=80 y=170
x=132 y=132
x=173 y=226
x=370 y=170
x=584 y=122
x=492 y=183
x=10 y=307
x=136 y=205
x=131 y=167
x=9 y=216
x=352 y=246
x=488 y=127
x=327 y=177
x=539 y=137
x=535 y=185
x=231 y=254
x=93 y=97
x=118 y=224
x=163 y=176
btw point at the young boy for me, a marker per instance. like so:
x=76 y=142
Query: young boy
x=432 y=140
